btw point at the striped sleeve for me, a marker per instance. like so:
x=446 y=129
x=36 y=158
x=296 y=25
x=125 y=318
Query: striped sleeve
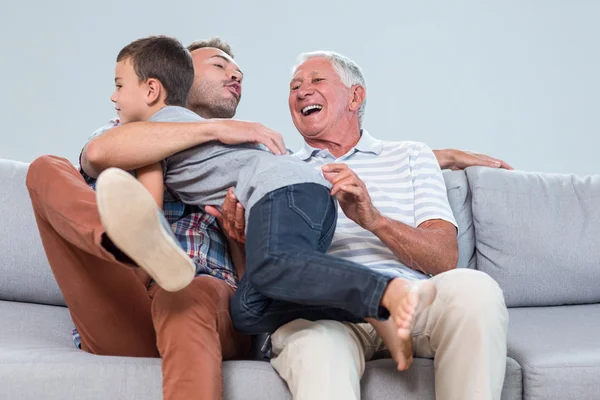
x=431 y=198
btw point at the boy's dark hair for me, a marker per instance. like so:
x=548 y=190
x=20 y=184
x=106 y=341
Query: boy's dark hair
x=212 y=42
x=165 y=59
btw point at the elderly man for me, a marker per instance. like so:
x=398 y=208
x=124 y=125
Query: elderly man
x=389 y=193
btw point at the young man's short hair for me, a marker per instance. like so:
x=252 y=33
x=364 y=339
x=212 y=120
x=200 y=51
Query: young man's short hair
x=213 y=42
x=165 y=59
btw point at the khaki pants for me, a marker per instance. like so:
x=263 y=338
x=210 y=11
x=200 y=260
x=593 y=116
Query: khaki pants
x=109 y=303
x=464 y=331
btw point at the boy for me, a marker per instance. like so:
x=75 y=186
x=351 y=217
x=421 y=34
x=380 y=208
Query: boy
x=138 y=95
x=291 y=219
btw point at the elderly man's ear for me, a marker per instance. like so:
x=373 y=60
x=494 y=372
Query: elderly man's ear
x=358 y=97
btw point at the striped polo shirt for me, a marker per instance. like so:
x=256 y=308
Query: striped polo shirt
x=405 y=183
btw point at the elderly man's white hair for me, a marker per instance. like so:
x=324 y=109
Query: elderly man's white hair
x=349 y=71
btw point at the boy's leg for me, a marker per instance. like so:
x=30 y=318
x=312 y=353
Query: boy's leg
x=107 y=299
x=289 y=231
x=195 y=334
x=254 y=313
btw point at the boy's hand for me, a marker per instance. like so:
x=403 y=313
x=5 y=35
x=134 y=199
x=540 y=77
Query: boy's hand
x=231 y=131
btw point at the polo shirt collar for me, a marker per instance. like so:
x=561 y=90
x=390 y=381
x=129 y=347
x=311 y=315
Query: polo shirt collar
x=306 y=152
x=366 y=144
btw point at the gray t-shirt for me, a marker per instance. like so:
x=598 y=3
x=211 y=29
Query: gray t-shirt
x=202 y=174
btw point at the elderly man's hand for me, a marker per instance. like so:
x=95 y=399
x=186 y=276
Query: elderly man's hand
x=352 y=194
x=458 y=159
x=231 y=131
x=231 y=218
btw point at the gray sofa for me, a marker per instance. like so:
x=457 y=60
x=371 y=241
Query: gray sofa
x=538 y=235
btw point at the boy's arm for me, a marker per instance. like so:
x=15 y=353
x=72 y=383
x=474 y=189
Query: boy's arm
x=151 y=176
x=134 y=145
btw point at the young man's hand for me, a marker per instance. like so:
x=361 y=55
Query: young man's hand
x=231 y=218
x=231 y=131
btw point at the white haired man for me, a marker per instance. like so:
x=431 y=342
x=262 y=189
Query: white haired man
x=394 y=219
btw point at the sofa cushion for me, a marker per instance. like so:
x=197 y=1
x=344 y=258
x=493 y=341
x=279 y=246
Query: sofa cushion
x=558 y=349
x=26 y=275
x=382 y=381
x=38 y=360
x=537 y=235
x=459 y=197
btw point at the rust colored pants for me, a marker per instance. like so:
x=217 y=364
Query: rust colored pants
x=109 y=302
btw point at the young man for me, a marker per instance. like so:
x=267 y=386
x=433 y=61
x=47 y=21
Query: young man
x=113 y=308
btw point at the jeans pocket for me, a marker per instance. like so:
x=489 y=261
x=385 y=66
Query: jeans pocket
x=330 y=225
x=311 y=202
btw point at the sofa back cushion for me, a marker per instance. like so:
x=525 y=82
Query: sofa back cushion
x=537 y=235
x=459 y=197
x=24 y=271
x=27 y=277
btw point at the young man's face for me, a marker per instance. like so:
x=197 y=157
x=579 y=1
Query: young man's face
x=217 y=87
x=130 y=94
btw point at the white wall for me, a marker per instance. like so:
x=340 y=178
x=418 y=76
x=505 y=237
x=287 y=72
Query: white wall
x=515 y=79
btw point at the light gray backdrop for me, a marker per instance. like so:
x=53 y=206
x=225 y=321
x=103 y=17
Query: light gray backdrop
x=515 y=79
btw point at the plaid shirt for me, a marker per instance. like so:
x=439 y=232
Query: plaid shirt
x=197 y=232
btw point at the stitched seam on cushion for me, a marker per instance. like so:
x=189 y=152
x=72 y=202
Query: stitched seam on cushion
x=548 y=195
x=522 y=361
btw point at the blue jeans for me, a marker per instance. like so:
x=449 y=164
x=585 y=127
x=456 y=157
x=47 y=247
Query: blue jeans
x=288 y=273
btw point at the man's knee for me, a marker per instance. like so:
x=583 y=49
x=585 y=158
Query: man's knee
x=41 y=168
x=472 y=293
x=316 y=340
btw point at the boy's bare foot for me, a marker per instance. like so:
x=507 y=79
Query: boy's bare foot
x=403 y=299
x=401 y=350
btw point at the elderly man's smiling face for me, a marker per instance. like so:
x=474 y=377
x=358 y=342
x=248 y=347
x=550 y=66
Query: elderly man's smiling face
x=318 y=99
